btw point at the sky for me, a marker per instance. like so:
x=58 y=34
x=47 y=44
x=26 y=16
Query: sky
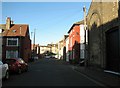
x=50 y=20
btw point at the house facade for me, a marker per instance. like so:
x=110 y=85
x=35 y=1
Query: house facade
x=103 y=35
x=60 y=49
x=16 y=41
x=67 y=48
x=53 y=48
x=64 y=47
x=43 y=49
x=74 y=42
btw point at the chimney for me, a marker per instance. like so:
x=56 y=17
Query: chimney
x=8 y=23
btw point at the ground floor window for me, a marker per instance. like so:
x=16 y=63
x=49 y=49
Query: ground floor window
x=11 y=54
x=82 y=53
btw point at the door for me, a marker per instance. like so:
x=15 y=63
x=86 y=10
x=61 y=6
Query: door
x=112 y=49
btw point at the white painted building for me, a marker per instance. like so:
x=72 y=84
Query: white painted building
x=60 y=49
x=67 y=49
x=82 y=41
x=44 y=49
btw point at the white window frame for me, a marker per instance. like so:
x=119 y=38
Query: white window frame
x=12 y=39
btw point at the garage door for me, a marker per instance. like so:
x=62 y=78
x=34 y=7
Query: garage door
x=112 y=49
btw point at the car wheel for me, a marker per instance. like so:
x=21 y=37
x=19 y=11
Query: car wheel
x=7 y=75
x=19 y=71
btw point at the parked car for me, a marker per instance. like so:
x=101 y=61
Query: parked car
x=17 y=65
x=4 y=71
x=36 y=58
x=47 y=57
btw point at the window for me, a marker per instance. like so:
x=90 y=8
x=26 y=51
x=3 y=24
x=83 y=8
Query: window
x=82 y=52
x=12 y=41
x=11 y=54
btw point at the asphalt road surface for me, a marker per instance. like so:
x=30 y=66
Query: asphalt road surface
x=50 y=72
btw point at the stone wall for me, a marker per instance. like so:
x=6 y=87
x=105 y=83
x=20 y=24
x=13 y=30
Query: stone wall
x=101 y=17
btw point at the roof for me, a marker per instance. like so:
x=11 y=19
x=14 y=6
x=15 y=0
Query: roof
x=16 y=30
x=77 y=23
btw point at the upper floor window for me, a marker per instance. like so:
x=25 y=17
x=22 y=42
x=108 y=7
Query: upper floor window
x=12 y=41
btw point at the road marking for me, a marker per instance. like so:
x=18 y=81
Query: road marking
x=100 y=84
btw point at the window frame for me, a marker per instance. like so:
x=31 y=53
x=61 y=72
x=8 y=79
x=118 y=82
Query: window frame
x=12 y=39
x=12 y=51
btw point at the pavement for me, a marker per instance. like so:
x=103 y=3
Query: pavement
x=108 y=79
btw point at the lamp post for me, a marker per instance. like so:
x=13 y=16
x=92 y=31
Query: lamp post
x=85 y=36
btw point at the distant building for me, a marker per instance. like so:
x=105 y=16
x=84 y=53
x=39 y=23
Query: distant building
x=60 y=49
x=67 y=49
x=64 y=48
x=44 y=49
x=53 y=48
x=15 y=40
x=35 y=48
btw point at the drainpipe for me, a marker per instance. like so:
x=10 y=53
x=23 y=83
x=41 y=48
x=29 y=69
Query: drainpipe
x=20 y=43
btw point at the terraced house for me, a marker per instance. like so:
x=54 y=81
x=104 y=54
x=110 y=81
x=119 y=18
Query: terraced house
x=76 y=41
x=103 y=20
x=15 y=40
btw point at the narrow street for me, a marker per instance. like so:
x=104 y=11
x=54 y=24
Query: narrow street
x=50 y=72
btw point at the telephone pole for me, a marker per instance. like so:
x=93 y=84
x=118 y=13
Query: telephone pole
x=34 y=38
x=34 y=44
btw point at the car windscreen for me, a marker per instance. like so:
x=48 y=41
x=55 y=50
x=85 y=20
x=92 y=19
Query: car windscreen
x=10 y=61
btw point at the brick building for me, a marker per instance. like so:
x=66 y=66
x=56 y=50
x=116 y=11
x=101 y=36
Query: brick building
x=103 y=36
x=15 y=40
x=64 y=48
x=74 y=42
